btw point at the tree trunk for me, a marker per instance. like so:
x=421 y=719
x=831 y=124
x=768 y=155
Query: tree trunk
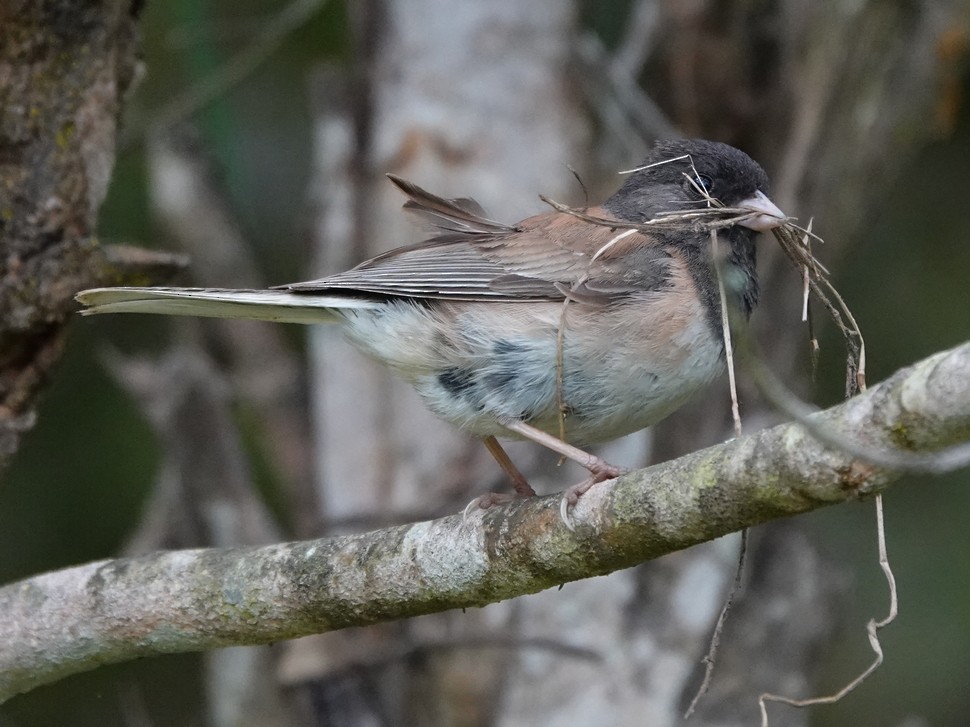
x=64 y=69
x=480 y=106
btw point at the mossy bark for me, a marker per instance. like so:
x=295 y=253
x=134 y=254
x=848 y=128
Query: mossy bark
x=65 y=67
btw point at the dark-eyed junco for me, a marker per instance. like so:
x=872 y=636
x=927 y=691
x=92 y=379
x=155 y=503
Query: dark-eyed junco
x=559 y=329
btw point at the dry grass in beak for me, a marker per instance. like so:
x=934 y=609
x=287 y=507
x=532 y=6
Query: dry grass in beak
x=795 y=241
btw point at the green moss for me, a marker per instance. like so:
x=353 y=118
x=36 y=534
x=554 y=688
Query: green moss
x=899 y=434
x=64 y=135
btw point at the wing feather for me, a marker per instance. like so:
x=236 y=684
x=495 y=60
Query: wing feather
x=462 y=215
x=475 y=258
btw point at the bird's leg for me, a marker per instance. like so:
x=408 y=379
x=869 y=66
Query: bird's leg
x=519 y=482
x=599 y=469
x=597 y=466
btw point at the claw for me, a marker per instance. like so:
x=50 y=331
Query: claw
x=490 y=499
x=571 y=495
x=564 y=507
x=469 y=509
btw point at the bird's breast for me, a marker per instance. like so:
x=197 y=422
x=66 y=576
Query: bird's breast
x=610 y=370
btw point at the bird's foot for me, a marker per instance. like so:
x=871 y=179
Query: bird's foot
x=491 y=499
x=600 y=471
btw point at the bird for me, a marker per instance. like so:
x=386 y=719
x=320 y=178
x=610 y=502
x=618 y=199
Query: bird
x=568 y=328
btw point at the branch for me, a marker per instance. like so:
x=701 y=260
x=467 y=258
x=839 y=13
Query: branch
x=68 y=621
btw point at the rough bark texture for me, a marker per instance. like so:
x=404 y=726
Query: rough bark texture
x=67 y=621
x=64 y=69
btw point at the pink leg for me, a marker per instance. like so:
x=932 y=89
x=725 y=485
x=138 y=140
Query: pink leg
x=599 y=469
x=521 y=485
x=519 y=482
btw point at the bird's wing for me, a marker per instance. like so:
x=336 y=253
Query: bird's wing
x=461 y=215
x=547 y=257
x=582 y=260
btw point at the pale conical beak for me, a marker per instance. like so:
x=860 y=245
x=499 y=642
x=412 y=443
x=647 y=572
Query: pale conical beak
x=769 y=216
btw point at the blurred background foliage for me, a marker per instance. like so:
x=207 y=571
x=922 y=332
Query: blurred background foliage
x=76 y=489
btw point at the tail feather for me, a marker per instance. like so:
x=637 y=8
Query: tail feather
x=261 y=305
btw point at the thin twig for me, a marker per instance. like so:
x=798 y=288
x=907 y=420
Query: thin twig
x=816 y=279
x=704 y=219
x=886 y=568
x=871 y=628
x=560 y=374
x=240 y=66
x=872 y=631
x=807 y=316
x=711 y=655
x=806 y=275
x=726 y=334
x=582 y=185
x=638 y=109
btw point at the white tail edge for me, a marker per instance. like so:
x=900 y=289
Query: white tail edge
x=259 y=305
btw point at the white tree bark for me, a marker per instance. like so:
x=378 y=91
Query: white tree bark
x=481 y=105
x=478 y=106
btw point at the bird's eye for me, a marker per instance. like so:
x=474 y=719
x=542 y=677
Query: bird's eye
x=701 y=183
